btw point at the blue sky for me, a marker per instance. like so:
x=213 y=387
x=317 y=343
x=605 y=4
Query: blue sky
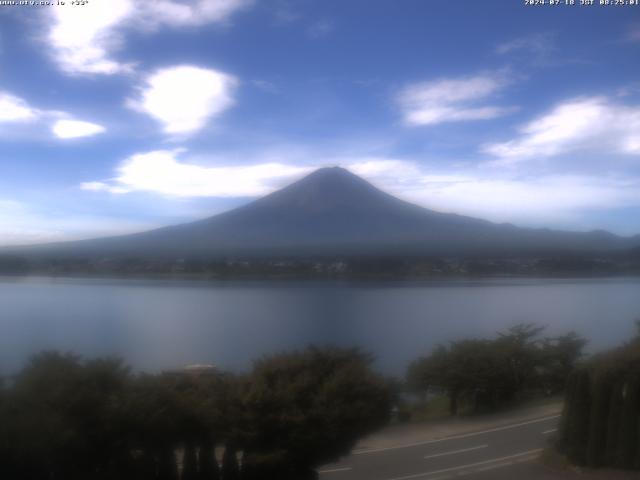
x=121 y=115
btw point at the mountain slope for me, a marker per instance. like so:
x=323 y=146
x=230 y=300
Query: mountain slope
x=333 y=211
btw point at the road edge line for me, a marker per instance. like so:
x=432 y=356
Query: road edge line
x=455 y=437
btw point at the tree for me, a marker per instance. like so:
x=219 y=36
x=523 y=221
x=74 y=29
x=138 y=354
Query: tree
x=488 y=373
x=598 y=416
x=520 y=345
x=64 y=418
x=578 y=418
x=73 y=419
x=559 y=357
x=601 y=420
x=308 y=408
x=428 y=372
x=628 y=440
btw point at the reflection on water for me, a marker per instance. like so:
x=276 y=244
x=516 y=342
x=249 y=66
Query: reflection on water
x=156 y=324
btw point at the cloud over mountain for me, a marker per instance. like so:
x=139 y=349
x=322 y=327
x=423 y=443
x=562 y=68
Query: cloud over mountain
x=163 y=173
x=596 y=124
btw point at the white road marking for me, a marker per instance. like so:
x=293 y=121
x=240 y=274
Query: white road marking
x=453 y=452
x=334 y=470
x=454 y=437
x=497 y=461
x=547 y=432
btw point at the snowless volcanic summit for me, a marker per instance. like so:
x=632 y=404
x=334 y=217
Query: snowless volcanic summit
x=334 y=212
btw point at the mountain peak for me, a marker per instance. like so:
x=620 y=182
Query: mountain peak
x=328 y=176
x=335 y=172
x=327 y=188
x=333 y=211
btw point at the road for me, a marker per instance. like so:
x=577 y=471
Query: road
x=499 y=452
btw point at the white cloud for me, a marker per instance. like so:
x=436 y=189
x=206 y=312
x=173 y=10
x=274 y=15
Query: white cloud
x=372 y=167
x=162 y=172
x=551 y=200
x=184 y=97
x=555 y=200
x=194 y=13
x=94 y=186
x=501 y=196
x=593 y=123
x=15 y=109
x=75 y=128
x=83 y=40
x=539 y=201
x=452 y=100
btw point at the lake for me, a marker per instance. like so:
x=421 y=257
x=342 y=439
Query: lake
x=160 y=324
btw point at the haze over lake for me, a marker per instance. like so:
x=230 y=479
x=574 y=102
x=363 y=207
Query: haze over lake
x=158 y=325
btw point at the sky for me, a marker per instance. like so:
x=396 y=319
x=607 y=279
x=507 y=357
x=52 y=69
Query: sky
x=119 y=116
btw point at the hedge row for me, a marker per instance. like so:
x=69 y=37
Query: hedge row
x=600 y=426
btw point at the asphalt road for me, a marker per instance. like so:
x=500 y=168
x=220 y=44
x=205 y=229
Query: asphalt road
x=500 y=452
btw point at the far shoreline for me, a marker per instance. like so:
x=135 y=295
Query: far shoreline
x=290 y=280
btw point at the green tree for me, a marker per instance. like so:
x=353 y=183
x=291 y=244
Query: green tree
x=488 y=373
x=308 y=408
x=598 y=416
x=601 y=420
x=578 y=421
x=628 y=434
x=427 y=373
x=521 y=346
x=559 y=357
x=64 y=418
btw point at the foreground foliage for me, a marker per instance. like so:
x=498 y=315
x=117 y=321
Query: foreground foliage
x=488 y=373
x=601 y=422
x=66 y=418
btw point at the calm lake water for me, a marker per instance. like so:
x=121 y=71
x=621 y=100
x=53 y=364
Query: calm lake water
x=156 y=325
